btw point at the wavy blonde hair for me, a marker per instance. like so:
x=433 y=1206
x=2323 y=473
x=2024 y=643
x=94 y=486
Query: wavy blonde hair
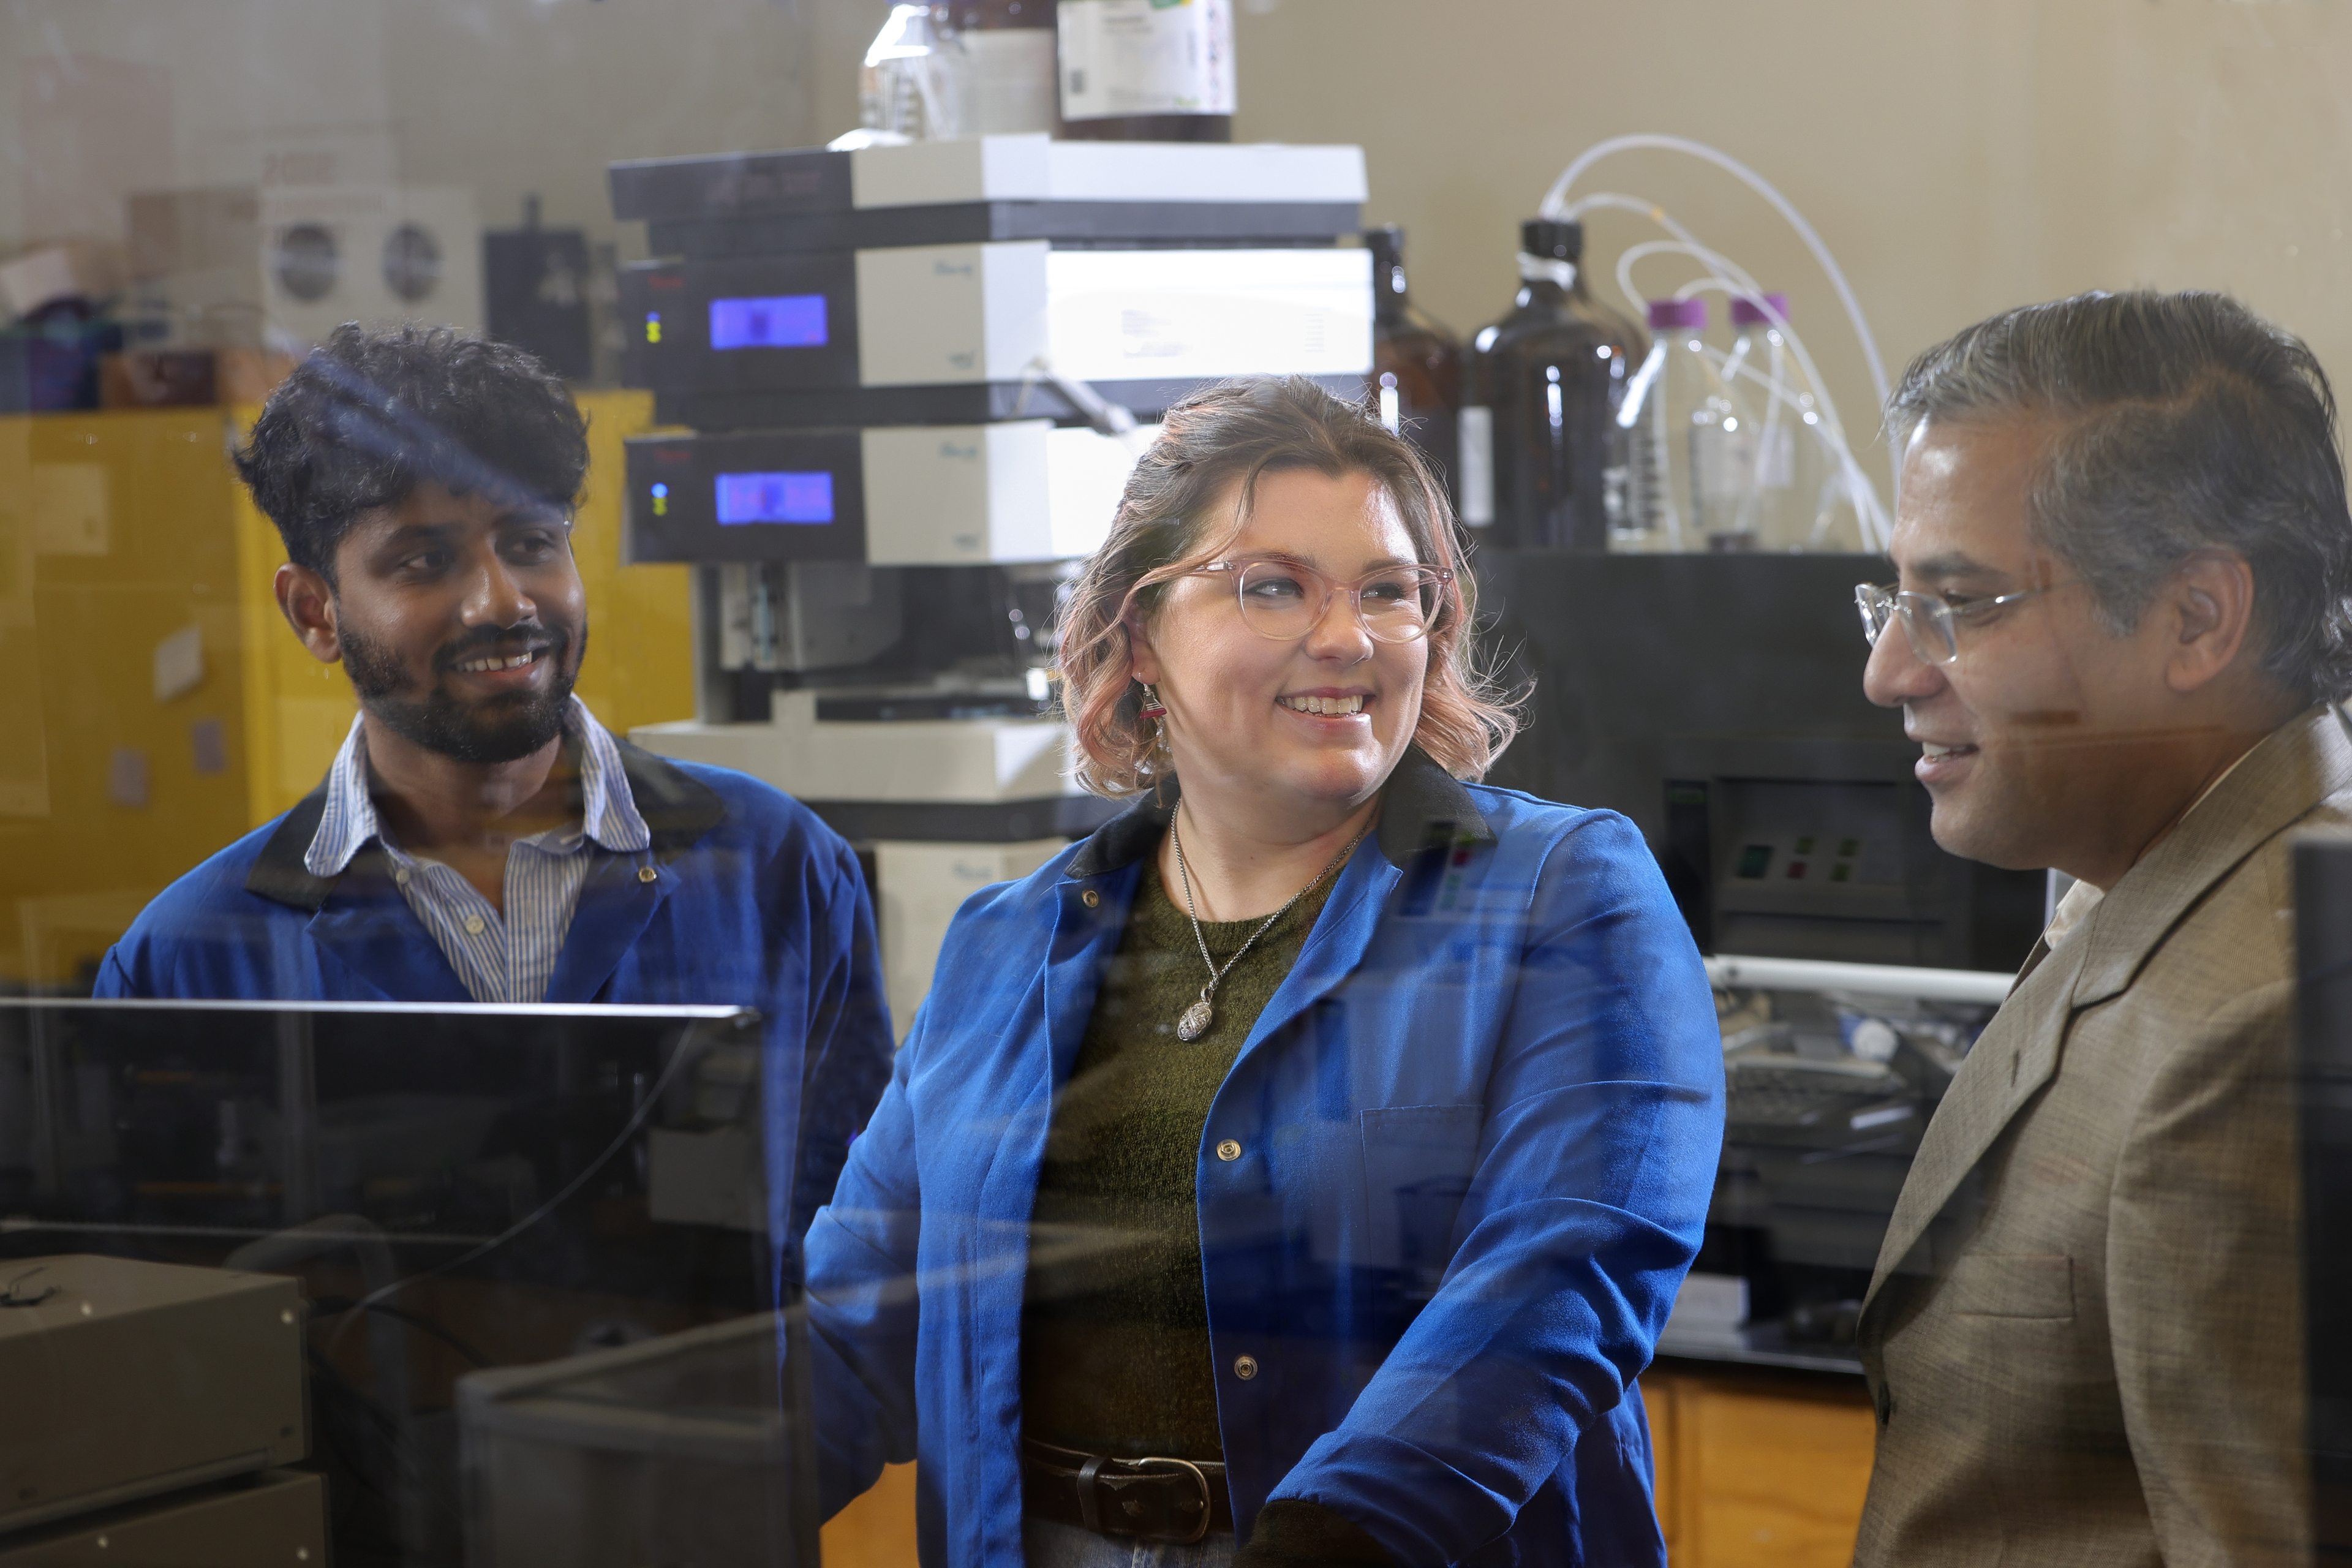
x=1169 y=522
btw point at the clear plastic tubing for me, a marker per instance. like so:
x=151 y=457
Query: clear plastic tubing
x=1555 y=205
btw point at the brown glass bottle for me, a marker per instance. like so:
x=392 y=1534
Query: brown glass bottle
x=1187 y=52
x=1542 y=462
x=1416 y=359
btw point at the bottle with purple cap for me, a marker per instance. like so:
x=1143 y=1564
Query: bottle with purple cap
x=1690 y=444
x=1800 y=497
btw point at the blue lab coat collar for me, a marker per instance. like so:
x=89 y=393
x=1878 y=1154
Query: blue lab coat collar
x=1423 y=808
x=1428 y=822
x=358 y=916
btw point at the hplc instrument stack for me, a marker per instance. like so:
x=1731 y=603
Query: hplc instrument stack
x=900 y=390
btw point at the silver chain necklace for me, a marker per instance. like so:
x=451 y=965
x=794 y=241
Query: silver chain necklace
x=1203 y=1012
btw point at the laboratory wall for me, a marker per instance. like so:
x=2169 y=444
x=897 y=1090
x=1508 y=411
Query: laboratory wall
x=509 y=98
x=1956 y=157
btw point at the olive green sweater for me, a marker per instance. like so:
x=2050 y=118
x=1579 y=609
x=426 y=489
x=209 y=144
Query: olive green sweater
x=1115 y=1334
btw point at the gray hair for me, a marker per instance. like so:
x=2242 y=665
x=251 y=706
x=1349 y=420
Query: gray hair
x=2185 y=422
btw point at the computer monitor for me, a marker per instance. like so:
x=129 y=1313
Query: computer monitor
x=461 y=1190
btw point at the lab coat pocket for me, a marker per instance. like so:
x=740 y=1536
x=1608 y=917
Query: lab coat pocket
x=1418 y=1162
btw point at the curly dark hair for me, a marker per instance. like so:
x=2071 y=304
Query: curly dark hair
x=370 y=416
x=2185 y=422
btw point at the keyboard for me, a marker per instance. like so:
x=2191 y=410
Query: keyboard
x=1796 y=1091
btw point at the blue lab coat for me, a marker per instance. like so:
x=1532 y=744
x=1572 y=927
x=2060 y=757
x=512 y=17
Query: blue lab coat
x=754 y=902
x=1478 y=1126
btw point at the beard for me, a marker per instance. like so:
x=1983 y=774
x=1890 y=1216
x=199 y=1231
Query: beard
x=501 y=730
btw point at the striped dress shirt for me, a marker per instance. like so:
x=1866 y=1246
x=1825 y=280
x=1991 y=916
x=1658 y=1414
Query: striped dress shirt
x=498 y=958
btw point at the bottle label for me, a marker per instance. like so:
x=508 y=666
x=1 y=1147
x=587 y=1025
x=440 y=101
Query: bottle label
x=1723 y=476
x=1475 y=466
x=1723 y=461
x=1146 y=56
x=1005 y=84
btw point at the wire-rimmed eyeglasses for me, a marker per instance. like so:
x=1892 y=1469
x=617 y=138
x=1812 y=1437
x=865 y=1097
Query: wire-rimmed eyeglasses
x=1931 y=624
x=1284 y=600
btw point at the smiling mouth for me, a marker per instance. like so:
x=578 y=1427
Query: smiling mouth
x=1324 y=707
x=1932 y=750
x=490 y=662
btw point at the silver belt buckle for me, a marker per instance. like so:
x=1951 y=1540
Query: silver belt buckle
x=1200 y=1479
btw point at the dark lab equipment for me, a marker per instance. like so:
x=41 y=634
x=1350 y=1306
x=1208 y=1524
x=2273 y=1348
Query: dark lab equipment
x=2323 y=939
x=1718 y=701
x=1826 y=1099
x=535 y=288
x=1542 y=458
x=585 y=1462
x=1416 y=359
x=771 y=495
x=458 y=1188
x=764 y=204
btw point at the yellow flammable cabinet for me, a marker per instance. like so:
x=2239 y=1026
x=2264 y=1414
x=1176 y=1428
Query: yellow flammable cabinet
x=153 y=704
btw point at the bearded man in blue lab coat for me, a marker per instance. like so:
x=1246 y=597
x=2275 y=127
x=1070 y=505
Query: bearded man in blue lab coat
x=480 y=836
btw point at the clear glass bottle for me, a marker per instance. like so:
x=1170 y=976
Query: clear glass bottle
x=1800 y=497
x=1416 y=359
x=1690 y=444
x=1006 y=66
x=906 y=89
x=962 y=67
x=1542 y=459
x=1147 y=70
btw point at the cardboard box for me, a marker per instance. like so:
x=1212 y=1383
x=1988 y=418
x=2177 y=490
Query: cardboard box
x=50 y=274
x=157 y=378
x=191 y=378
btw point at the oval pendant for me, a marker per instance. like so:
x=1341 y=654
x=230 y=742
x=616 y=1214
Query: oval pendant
x=1195 y=1021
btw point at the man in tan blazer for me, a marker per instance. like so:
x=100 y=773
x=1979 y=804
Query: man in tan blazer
x=2125 y=560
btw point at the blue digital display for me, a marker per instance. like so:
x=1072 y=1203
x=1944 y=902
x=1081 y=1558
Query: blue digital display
x=769 y=322
x=774 y=498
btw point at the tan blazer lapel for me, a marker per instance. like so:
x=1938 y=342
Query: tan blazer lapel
x=2015 y=1055
x=2280 y=781
x=2299 y=765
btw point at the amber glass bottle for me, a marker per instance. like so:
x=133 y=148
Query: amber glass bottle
x=1416 y=359
x=1542 y=461
x=1147 y=70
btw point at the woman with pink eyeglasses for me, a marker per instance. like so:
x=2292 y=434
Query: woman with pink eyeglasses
x=1299 y=1169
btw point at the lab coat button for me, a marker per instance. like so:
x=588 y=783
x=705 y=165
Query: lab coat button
x=1090 y=898
x=647 y=874
x=1229 y=1150
x=1245 y=1367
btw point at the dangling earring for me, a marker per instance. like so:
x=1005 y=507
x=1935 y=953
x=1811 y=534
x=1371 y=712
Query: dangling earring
x=1152 y=707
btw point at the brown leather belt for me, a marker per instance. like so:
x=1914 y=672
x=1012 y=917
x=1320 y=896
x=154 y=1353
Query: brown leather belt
x=1149 y=1498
